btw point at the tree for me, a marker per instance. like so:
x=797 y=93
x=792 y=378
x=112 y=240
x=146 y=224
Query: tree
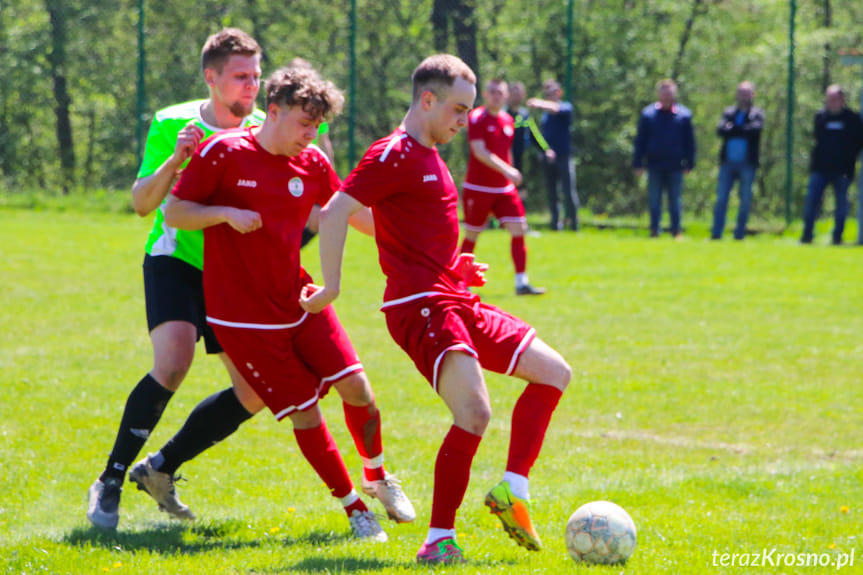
x=57 y=58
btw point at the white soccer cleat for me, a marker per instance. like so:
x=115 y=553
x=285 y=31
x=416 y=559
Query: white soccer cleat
x=159 y=486
x=365 y=526
x=389 y=491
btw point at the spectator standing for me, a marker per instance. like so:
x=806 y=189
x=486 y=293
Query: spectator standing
x=555 y=124
x=740 y=130
x=838 y=140
x=665 y=144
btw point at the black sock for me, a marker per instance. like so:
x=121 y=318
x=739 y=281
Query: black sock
x=143 y=410
x=210 y=422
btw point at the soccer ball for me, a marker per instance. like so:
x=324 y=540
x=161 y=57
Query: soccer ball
x=600 y=532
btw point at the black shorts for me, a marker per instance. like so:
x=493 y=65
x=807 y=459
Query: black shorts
x=174 y=291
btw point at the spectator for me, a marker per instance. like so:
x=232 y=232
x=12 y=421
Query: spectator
x=556 y=122
x=526 y=130
x=740 y=130
x=838 y=140
x=665 y=143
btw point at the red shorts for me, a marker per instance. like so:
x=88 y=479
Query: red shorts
x=291 y=368
x=506 y=207
x=429 y=327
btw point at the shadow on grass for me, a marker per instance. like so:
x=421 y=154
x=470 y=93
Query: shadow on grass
x=176 y=538
x=338 y=565
x=353 y=564
x=167 y=539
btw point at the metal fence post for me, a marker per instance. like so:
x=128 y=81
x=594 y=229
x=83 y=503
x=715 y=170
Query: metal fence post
x=141 y=100
x=789 y=120
x=352 y=88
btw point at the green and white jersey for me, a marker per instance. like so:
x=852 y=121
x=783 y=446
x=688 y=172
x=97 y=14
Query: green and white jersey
x=161 y=139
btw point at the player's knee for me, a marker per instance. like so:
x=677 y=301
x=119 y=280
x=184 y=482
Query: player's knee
x=474 y=417
x=171 y=372
x=562 y=374
x=307 y=419
x=249 y=399
x=355 y=389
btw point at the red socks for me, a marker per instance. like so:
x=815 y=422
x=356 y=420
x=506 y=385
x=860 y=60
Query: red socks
x=530 y=419
x=320 y=450
x=519 y=254
x=467 y=246
x=451 y=475
x=365 y=428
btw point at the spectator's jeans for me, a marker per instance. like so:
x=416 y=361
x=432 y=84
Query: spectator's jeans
x=728 y=173
x=562 y=171
x=818 y=182
x=671 y=180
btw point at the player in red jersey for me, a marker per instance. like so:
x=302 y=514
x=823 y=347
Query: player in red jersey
x=251 y=190
x=491 y=180
x=431 y=314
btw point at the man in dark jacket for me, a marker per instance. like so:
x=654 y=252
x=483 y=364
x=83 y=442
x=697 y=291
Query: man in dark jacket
x=838 y=140
x=665 y=143
x=740 y=130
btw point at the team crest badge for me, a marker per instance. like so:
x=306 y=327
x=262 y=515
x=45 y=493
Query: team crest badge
x=295 y=186
x=508 y=131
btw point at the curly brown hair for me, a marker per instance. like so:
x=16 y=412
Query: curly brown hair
x=303 y=86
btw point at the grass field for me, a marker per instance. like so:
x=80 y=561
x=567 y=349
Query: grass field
x=716 y=396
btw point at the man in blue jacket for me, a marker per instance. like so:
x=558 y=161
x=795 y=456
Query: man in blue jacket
x=665 y=144
x=740 y=129
x=838 y=140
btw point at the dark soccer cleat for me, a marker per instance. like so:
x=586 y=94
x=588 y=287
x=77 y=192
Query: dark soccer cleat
x=104 y=507
x=528 y=289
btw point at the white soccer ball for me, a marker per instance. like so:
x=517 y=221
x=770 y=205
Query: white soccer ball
x=600 y=532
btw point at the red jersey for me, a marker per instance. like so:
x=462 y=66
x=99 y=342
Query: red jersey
x=415 y=206
x=497 y=132
x=255 y=278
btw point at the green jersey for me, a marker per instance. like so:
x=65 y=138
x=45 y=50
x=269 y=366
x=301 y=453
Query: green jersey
x=324 y=128
x=161 y=139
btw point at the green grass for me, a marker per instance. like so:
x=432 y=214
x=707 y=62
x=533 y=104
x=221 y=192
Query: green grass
x=716 y=396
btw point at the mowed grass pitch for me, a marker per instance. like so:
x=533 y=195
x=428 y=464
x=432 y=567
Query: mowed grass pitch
x=716 y=396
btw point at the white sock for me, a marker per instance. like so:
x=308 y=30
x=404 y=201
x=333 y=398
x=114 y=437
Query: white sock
x=518 y=484
x=521 y=279
x=436 y=534
x=349 y=499
x=374 y=462
x=157 y=461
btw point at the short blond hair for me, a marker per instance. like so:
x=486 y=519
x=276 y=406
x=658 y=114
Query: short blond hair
x=436 y=74
x=224 y=44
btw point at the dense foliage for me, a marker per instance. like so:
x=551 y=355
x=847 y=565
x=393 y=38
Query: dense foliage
x=77 y=60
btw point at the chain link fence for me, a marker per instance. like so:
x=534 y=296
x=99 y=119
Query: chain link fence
x=80 y=58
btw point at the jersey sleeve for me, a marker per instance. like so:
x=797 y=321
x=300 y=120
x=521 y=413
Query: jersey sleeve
x=202 y=176
x=156 y=150
x=331 y=183
x=475 y=128
x=372 y=180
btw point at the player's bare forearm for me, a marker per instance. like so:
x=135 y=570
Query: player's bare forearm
x=363 y=222
x=188 y=215
x=493 y=161
x=546 y=105
x=333 y=231
x=149 y=192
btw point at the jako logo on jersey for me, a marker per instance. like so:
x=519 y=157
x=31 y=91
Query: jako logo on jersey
x=295 y=186
x=429 y=178
x=247 y=184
